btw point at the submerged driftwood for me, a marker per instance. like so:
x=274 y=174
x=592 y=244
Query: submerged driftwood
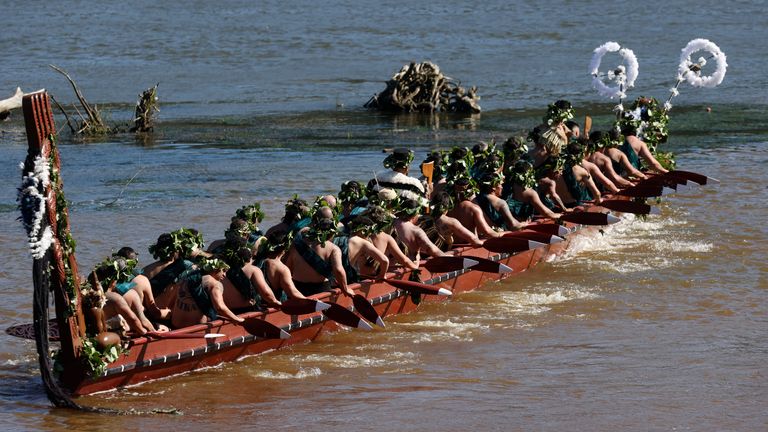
x=90 y=121
x=421 y=87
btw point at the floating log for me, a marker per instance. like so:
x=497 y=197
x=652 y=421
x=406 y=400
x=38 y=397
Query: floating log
x=13 y=102
x=421 y=87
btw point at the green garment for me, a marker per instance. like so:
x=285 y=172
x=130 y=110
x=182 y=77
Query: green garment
x=201 y=296
x=343 y=243
x=168 y=276
x=494 y=215
x=579 y=193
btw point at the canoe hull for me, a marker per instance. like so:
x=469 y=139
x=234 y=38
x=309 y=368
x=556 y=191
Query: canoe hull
x=149 y=359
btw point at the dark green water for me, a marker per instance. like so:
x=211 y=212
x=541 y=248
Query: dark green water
x=659 y=325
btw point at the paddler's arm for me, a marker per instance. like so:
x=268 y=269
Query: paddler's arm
x=216 y=289
x=264 y=290
x=284 y=281
x=426 y=245
x=550 y=188
x=502 y=207
x=368 y=249
x=398 y=254
x=337 y=267
x=646 y=154
x=460 y=231
x=116 y=304
x=634 y=172
x=583 y=176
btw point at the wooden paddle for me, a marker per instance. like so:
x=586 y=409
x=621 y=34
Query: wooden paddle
x=587 y=125
x=417 y=287
x=263 y=329
x=697 y=178
x=366 y=309
x=301 y=306
x=548 y=228
x=645 y=191
x=27 y=330
x=590 y=218
x=535 y=236
x=428 y=169
x=174 y=335
x=489 y=266
x=624 y=206
x=446 y=264
x=345 y=317
x=510 y=244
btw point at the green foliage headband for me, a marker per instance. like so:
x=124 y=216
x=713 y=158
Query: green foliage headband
x=115 y=269
x=210 y=265
x=322 y=230
x=351 y=192
x=251 y=214
x=297 y=209
x=398 y=159
x=558 y=112
x=522 y=173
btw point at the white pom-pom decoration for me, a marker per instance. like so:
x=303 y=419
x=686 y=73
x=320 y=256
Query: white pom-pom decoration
x=694 y=78
x=624 y=81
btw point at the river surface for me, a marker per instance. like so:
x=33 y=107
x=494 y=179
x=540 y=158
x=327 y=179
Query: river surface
x=656 y=325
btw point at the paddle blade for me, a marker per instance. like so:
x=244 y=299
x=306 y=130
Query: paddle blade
x=590 y=218
x=345 y=317
x=174 y=335
x=445 y=264
x=510 y=244
x=418 y=288
x=300 y=306
x=428 y=169
x=643 y=191
x=264 y=329
x=27 y=331
x=626 y=206
x=490 y=266
x=535 y=235
x=694 y=177
x=548 y=228
x=366 y=309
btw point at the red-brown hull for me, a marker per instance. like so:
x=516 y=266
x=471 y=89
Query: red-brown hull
x=150 y=359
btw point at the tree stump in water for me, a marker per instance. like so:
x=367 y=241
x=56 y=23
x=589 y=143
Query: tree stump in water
x=146 y=107
x=421 y=87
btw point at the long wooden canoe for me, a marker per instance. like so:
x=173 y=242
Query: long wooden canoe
x=187 y=349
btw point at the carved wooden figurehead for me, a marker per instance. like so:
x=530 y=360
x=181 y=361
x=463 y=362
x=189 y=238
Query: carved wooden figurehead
x=60 y=258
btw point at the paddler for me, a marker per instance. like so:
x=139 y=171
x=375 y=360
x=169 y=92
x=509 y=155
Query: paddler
x=357 y=250
x=414 y=239
x=245 y=286
x=396 y=177
x=276 y=273
x=574 y=184
x=441 y=228
x=315 y=262
x=296 y=216
x=381 y=238
x=201 y=295
x=495 y=209
x=630 y=124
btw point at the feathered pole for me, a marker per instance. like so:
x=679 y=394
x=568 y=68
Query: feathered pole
x=690 y=71
x=623 y=75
